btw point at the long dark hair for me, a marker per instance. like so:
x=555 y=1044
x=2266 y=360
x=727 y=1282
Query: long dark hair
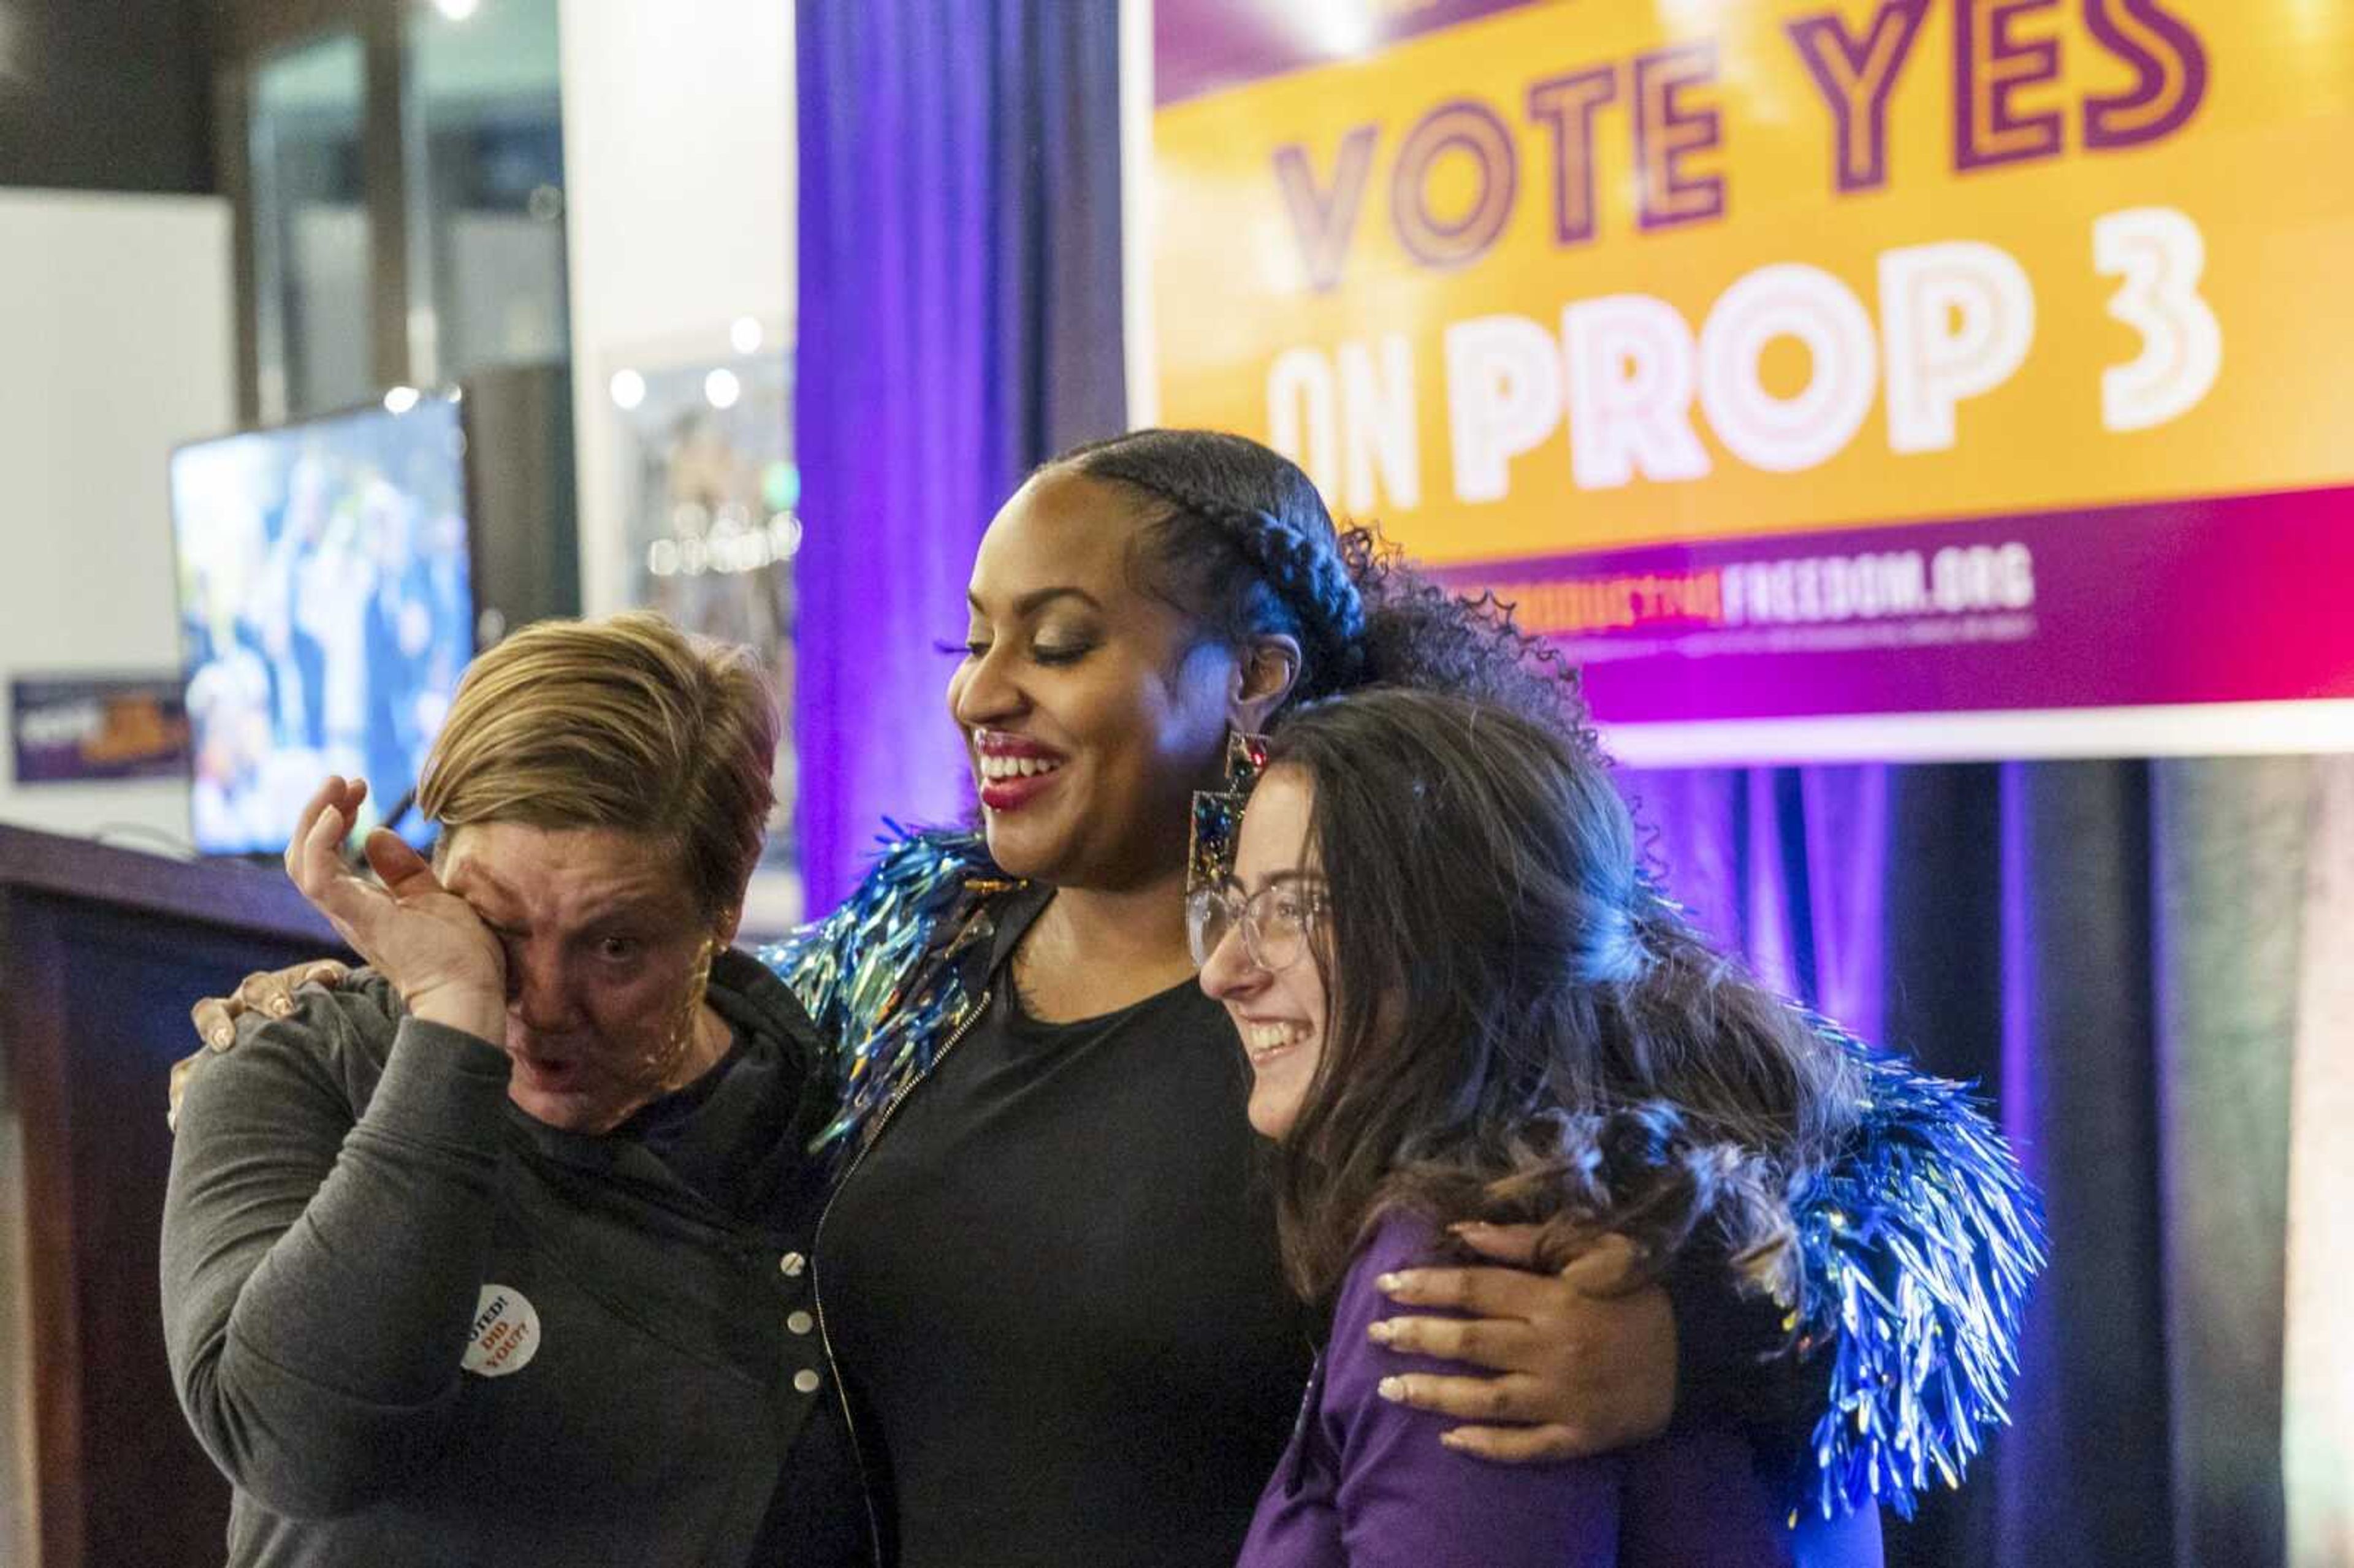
x=1238 y=537
x=1519 y=1028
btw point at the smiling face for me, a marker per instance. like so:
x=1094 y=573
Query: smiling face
x=604 y=953
x=1091 y=710
x=1281 y=1014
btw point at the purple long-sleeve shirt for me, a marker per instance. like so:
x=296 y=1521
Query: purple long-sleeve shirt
x=1365 y=1483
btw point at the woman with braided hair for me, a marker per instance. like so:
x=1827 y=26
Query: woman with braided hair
x=1049 y=1271
x=1047 y=1280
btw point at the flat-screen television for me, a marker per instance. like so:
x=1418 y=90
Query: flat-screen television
x=326 y=611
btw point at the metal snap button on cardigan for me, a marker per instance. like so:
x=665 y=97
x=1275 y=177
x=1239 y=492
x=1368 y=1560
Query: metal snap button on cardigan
x=806 y=1381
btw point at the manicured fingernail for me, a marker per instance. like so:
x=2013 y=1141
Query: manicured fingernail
x=1451 y=1440
x=280 y=1006
x=220 y=1039
x=1380 y=1332
x=1390 y=1282
x=1392 y=1389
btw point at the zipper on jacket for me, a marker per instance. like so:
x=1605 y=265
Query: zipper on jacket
x=817 y=1245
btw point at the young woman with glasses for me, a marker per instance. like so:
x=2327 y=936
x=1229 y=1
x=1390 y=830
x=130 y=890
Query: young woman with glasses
x=1463 y=1003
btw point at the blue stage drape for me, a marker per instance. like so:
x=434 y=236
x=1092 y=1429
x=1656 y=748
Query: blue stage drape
x=959 y=320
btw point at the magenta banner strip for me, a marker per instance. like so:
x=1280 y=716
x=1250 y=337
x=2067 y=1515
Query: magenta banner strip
x=2242 y=598
x=1201 y=47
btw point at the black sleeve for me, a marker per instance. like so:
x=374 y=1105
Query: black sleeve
x=1736 y=1365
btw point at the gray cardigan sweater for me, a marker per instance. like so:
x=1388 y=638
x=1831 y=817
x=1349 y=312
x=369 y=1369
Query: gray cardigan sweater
x=413 y=1326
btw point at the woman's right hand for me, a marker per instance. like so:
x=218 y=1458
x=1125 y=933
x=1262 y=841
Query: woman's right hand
x=449 y=967
x=270 y=991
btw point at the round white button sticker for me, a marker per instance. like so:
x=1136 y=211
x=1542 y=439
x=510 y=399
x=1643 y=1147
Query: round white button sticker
x=506 y=1333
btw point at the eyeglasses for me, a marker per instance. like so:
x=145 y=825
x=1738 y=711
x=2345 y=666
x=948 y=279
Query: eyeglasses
x=1275 y=921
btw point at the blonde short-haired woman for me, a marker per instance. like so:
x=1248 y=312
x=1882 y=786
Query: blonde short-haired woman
x=497 y=1255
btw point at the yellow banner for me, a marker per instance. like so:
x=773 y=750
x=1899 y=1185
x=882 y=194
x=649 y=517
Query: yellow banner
x=1588 y=273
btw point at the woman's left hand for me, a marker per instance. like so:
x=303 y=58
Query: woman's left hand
x=1584 y=1366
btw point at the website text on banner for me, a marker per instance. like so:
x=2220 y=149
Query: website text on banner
x=1805 y=368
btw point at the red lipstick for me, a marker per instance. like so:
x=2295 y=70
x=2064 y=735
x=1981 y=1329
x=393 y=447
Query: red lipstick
x=1012 y=770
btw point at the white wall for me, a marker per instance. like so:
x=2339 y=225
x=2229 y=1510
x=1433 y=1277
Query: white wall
x=117 y=339
x=679 y=191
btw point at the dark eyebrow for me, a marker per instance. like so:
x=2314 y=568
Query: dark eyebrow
x=1030 y=603
x=629 y=912
x=1280 y=879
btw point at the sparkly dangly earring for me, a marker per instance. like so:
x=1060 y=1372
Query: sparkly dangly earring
x=1218 y=813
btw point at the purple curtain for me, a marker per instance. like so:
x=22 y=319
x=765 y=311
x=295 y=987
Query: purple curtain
x=2025 y=926
x=959 y=320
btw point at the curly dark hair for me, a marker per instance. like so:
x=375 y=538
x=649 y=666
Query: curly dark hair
x=1423 y=635
x=1244 y=543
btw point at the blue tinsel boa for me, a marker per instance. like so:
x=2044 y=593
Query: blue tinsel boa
x=853 y=969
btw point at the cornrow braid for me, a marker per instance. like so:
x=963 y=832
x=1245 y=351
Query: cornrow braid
x=1310 y=578
x=1244 y=544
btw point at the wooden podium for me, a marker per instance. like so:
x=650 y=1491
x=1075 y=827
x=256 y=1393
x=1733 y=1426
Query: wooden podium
x=101 y=952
